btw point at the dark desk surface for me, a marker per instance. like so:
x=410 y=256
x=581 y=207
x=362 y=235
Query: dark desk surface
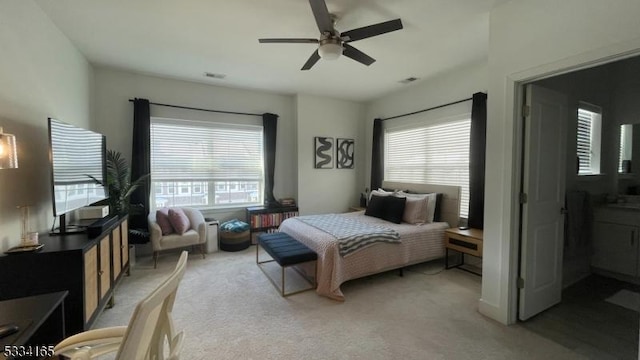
x=29 y=313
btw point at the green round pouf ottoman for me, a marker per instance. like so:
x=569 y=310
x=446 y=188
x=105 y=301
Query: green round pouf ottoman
x=234 y=235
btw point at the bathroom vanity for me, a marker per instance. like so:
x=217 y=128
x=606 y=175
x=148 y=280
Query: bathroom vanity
x=616 y=239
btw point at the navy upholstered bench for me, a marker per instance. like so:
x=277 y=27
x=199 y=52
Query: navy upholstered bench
x=286 y=251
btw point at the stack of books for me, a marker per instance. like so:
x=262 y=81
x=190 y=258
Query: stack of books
x=287 y=202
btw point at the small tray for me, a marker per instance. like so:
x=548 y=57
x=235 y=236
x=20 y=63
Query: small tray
x=24 y=248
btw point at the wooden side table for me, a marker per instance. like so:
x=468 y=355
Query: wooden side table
x=467 y=241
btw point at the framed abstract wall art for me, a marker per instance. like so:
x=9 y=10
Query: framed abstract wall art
x=345 y=149
x=323 y=152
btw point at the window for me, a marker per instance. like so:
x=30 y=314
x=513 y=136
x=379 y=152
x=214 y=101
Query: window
x=190 y=158
x=184 y=188
x=434 y=154
x=588 y=139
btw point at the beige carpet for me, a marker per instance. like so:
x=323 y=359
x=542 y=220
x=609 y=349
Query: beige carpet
x=229 y=310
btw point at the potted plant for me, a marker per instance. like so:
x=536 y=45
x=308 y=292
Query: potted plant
x=120 y=185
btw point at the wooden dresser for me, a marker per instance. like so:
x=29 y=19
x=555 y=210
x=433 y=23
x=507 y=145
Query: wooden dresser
x=89 y=268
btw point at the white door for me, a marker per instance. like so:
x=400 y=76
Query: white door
x=543 y=184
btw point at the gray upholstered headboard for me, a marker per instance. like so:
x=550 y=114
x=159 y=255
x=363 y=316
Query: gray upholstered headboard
x=450 y=206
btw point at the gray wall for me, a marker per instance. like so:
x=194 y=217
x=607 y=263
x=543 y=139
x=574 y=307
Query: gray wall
x=328 y=190
x=41 y=75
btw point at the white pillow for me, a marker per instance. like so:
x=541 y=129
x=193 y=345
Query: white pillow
x=431 y=203
x=415 y=210
x=380 y=192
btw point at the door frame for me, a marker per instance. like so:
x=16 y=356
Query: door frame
x=515 y=91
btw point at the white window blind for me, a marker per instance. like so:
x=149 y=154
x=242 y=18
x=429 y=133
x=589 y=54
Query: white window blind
x=198 y=164
x=434 y=154
x=588 y=140
x=584 y=141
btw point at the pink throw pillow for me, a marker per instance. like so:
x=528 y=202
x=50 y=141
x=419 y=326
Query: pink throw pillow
x=162 y=219
x=179 y=220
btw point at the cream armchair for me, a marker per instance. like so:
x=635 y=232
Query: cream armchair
x=196 y=235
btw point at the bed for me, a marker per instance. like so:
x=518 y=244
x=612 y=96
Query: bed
x=419 y=243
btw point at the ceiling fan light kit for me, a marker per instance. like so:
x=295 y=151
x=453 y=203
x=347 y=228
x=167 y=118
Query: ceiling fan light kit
x=330 y=50
x=332 y=44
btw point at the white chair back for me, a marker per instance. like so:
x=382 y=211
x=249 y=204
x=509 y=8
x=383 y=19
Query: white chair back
x=144 y=338
x=151 y=321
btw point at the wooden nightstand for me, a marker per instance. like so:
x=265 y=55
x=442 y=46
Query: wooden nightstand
x=465 y=242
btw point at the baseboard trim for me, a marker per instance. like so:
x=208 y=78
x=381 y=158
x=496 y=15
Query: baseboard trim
x=491 y=311
x=621 y=277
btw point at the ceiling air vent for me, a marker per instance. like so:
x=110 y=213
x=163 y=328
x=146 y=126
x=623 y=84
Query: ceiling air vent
x=214 y=75
x=408 y=80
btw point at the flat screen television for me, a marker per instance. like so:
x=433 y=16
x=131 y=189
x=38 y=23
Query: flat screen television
x=76 y=155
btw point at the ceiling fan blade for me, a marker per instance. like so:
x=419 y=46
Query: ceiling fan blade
x=357 y=55
x=313 y=59
x=371 y=30
x=288 y=41
x=321 y=13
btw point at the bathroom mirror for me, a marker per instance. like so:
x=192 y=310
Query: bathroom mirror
x=625 y=149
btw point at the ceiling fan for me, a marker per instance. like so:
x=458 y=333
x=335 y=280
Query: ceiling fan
x=332 y=43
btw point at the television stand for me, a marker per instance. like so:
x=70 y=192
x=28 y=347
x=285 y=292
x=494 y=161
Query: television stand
x=88 y=268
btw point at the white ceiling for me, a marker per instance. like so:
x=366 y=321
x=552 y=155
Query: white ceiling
x=185 y=38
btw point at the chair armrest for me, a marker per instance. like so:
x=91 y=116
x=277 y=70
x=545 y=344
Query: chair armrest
x=155 y=233
x=197 y=223
x=92 y=343
x=202 y=232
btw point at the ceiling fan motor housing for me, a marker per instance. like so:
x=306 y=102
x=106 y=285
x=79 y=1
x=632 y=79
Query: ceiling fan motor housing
x=330 y=48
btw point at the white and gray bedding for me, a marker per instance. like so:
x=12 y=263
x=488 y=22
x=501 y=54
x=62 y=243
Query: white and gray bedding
x=418 y=243
x=351 y=235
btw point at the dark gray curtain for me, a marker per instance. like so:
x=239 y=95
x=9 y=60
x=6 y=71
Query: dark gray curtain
x=478 y=144
x=269 y=132
x=141 y=160
x=377 y=156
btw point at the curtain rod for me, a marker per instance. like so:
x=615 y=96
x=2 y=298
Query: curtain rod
x=429 y=109
x=200 y=109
